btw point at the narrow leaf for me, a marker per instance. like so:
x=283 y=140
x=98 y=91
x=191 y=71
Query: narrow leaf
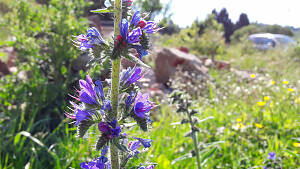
x=136 y=60
x=207 y=118
x=185 y=156
x=83 y=127
x=121 y=147
x=207 y=155
x=37 y=141
x=104 y=10
x=100 y=143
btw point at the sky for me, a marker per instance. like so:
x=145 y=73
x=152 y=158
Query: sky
x=281 y=12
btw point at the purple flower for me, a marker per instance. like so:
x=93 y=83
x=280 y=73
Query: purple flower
x=92 y=38
x=130 y=99
x=87 y=93
x=134 y=35
x=109 y=129
x=151 y=27
x=106 y=105
x=128 y=36
x=99 y=163
x=81 y=115
x=135 y=18
x=140 y=50
x=272 y=156
x=99 y=89
x=133 y=146
x=131 y=75
x=145 y=142
x=148 y=167
x=142 y=105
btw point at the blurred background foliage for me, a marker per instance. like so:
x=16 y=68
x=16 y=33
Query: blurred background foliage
x=34 y=97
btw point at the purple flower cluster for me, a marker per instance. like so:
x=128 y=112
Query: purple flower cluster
x=90 y=95
x=93 y=37
x=109 y=129
x=99 y=163
x=130 y=76
x=133 y=146
x=272 y=156
x=131 y=33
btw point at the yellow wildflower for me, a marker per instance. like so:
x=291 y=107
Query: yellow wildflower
x=297 y=100
x=238 y=120
x=296 y=145
x=285 y=82
x=272 y=82
x=261 y=103
x=258 y=125
x=266 y=98
x=253 y=76
x=290 y=89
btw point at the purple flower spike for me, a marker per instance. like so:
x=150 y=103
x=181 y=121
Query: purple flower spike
x=272 y=156
x=134 y=36
x=145 y=142
x=142 y=105
x=134 y=145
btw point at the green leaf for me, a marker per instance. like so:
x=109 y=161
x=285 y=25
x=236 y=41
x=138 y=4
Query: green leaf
x=104 y=10
x=185 y=156
x=136 y=60
x=100 y=143
x=37 y=141
x=292 y=153
x=83 y=127
x=17 y=138
x=207 y=155
x=121 y=147
x=63 y=70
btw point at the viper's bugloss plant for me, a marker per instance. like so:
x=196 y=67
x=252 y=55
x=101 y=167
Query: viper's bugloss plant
x=110 y=111
x=183 y=104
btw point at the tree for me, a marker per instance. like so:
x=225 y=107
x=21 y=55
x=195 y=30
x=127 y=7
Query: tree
x=223 y=18
x=243 y=21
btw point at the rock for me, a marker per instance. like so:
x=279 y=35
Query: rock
x=168 y=59
x=3 y=69
x=184 y=49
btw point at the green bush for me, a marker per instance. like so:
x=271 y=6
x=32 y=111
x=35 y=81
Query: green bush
x=33 y=99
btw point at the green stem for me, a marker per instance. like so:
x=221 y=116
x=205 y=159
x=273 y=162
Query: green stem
x=195 y=141
x=115 y=78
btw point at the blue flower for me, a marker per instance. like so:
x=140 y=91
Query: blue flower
x=131 y=75
x=140 y=50
x=82 y=115
x=106 y=105
x=109 y=129
x=92 y=38
x=145 y=142
x=134 y=35
x=99 y=89
x=99 y=163
x=272 y=156
x=142 y=105
x=135 y=18
x=151 y=27
x=130 y=99
x=148 y=167
x=128 y=37
x=133 y=146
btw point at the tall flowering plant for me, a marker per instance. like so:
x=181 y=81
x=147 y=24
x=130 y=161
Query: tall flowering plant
x=110 y=111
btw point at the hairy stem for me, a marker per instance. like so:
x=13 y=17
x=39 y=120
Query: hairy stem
x=195 y=141
x=114 y=152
